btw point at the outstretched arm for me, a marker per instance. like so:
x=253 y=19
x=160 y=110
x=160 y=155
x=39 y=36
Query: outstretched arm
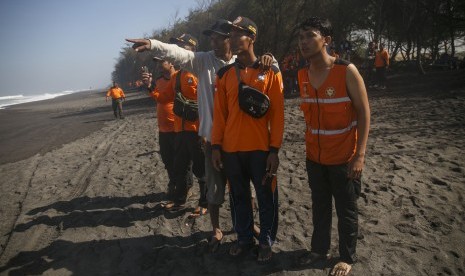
x=170 y=52
x=139 y=44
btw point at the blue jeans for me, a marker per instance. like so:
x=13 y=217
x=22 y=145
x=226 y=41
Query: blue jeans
x=240 y=169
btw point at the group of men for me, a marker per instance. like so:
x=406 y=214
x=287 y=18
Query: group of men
x=239 y=131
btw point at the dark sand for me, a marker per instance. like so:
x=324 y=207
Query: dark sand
x=39 y=127
x=84 y=202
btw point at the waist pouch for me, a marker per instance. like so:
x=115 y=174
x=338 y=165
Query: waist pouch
x=183 y=107
x=252 y=101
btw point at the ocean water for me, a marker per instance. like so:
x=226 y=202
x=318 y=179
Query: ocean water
x=19 y=99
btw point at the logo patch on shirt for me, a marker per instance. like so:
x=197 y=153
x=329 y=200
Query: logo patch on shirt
x=330 y=92
x=190 y=80
x=261 y=77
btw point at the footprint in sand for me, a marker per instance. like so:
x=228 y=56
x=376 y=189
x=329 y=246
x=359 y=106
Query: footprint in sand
x=439 y=182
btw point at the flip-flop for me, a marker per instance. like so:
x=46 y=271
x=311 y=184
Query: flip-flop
x=214 y=244
x=341 y=268
x=172 y=207
x=198 y=212
x=237 y=249
x=312 y=258
x=264 y=254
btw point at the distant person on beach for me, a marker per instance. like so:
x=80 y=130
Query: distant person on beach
x=381 y=65
x=247 y=139
x=205 y=65
x=162 y=92
x=117 y=98
x=337 y=116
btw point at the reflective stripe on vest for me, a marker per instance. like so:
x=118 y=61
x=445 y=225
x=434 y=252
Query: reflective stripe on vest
x=337 y=100
x=333 y=132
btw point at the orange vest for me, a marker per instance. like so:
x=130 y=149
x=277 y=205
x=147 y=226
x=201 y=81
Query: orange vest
x=189 y=90
x=331 y=135
x=164 y=95
x=233 y=129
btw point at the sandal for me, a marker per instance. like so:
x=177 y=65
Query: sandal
x=237 y=249
x=312 y=258
x=172 y=207
x=341 y=269
x=264 y=253
x=198 y=212
x=214 y=244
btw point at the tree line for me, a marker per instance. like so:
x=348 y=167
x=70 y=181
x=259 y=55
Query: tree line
x=414 y=30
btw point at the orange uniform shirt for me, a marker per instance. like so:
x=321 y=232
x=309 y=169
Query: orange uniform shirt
x=331 y=134
x=382 y=58
x=116 y=93
x=234 y=130
x=189 y=90
x=164 y=95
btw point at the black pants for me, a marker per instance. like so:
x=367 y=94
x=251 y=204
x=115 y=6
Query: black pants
x=166 y=142
x=117 y=105
x=325 y=183
x=381 y=76
x=188 y=152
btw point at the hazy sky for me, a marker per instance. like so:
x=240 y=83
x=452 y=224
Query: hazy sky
x=56 y=45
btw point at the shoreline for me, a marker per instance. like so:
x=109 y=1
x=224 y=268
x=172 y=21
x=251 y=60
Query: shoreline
x=38 y=127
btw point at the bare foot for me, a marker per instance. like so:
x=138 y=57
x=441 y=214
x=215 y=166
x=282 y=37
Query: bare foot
x=341 y=269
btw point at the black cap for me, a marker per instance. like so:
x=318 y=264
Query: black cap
x=186 y=39
x=221 y=26
x=245 y=24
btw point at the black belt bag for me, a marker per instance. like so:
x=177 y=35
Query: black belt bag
x=252 y=101
x=183 y=107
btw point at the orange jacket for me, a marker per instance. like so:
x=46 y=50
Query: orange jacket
x=234 y=130
x=116 y=93
x=164 y=95
x=382 y=58
x=189 y=90
x=331 y=135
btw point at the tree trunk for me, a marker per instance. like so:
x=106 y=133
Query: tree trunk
x=419 y=63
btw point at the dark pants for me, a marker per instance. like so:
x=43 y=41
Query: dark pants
x=240 y=169
x=381 y=76
x=117 y=105
x=166 y=142
x=188 y=151
x=325 y=183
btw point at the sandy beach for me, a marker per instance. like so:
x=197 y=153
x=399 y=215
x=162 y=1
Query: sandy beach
x=80 y=191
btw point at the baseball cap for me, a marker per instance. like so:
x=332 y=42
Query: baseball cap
x=185 y=38
x=245 y=24
x=221 y=26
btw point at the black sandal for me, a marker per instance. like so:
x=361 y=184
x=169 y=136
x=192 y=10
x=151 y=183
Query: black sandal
x=312 y=258
x=264 y=254
x=237 y=249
